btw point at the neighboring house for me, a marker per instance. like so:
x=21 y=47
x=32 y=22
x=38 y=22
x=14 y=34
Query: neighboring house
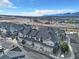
x=15 y=53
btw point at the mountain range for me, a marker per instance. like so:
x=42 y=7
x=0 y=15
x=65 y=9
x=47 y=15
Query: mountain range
x=65 y=14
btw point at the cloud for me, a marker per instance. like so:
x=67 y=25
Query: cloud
x=46 y=12
x=6 y=3
x=41 y=12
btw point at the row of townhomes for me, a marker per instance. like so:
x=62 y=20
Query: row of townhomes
x=51 y=42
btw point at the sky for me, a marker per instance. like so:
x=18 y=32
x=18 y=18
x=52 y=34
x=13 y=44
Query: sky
x=38 y=7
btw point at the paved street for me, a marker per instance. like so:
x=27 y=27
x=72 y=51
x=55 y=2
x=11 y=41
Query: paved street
x=24 y=21
x=75 y=45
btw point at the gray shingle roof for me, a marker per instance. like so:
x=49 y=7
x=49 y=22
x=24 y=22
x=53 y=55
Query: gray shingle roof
x=16 y=49
x=43 y=33
x=26 y=30
x=33 y=32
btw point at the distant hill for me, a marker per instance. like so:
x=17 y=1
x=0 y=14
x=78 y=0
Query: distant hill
x=65 y=14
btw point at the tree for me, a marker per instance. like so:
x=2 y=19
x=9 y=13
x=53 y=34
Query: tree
x=23 y=42
x=41 y=40
x=64 y=47
x=32 y=44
